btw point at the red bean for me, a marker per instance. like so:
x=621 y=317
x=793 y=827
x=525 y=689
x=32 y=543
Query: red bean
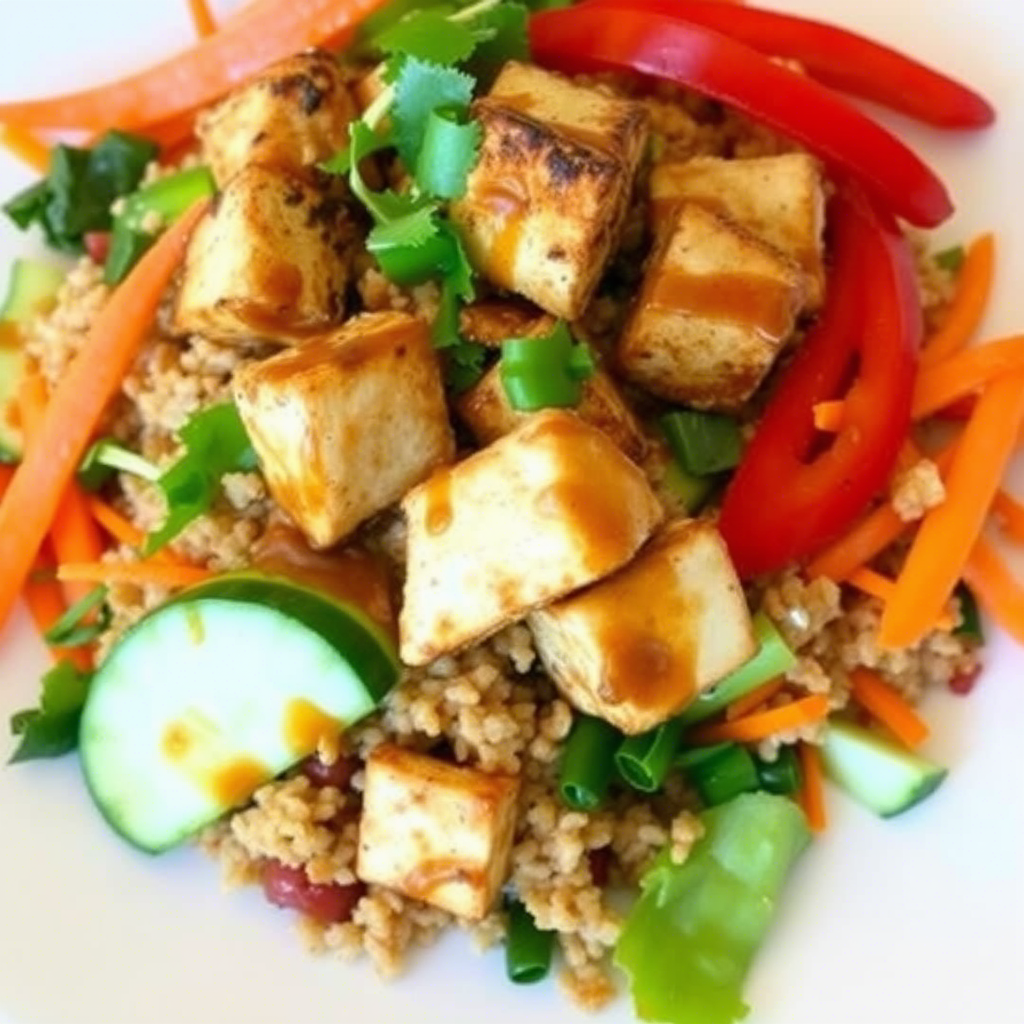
x=97 y=245
x=338 y=775
x=290 y=887
x=600 y=866
x=963 y=682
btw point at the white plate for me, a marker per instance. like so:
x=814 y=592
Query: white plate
x=915 y=921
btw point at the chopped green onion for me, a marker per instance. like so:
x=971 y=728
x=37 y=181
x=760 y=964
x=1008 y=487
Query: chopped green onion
x=951 y=259
x=527 y=948
x=588 y=763
x=970 y=625
x=693 y=757
x=781 y=776
x=703 y=442
x=72 y=630
x=106 y=457
x=773 y=658
x=644 y=760
x=692 y=491
x=729 y=773
x=545 y=372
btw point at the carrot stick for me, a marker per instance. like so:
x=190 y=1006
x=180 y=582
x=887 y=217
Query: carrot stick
x=26 y=146
x=75 y=537
x=763 y=724
x=6 y=476
x=202 y=19
x=973 y=287
x=812 y=793
x=81 y=397
x=830 y=416
x=753 y=700
x=875 y=695
x=44 y=599
x=876 y=585
x=995 y=588
x=949 y=532
x=964 y=373
x=268 y=31
x=1009 y=513
x=123 y=531
x=159 y=574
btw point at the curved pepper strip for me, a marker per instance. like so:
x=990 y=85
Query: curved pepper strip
x=837 y=58
x=613 y=37
x=788 y=497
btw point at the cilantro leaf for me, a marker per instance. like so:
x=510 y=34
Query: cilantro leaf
x=464 y=365
x=412 y=229
x=383 y=206
x=422 y=87
x=52 y=729
x=215 y=443
x=501 y=34
x=429 y=35
x=448 y=153
x=951 y=259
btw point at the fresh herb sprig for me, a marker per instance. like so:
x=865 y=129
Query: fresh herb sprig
x=52 y=729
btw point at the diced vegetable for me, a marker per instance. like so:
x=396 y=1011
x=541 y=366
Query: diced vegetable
x=703 y=442
x=781 y=776
x=692 y=491
x=588 y=763
x=970 y=618
x=527 y=949
x=726 y=775
x=107 y=457
x=885 y=777
x=644 y=760
x=218 y=691
x=689 y=940
x=545 y=372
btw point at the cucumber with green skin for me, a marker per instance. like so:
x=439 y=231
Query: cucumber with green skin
x=875 y=771
x=196 y=706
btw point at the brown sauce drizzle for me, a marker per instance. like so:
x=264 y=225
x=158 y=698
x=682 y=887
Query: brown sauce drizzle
x=305 y=725
x=233 y=782
x=507 y=202
x=429 y=876
x=438 y=512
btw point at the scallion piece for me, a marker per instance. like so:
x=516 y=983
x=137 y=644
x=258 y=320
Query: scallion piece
x=781 y=776
x=107 y=457
x=588 y=763
x=703 y=442
x=72 y=629
x=527 y=949
x=644 y=760
x=773 y=658
x=726 y=775
x=951 y=259
x=545 y=372
x=693 y=757
x=691 y=490
x=970 y=626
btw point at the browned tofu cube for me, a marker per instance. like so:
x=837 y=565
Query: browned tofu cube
x=637 y=647
x=345 y=424
x=545 y=204
x=491 y=321
x=436 y=832
x=543 y=511
x=716 y=308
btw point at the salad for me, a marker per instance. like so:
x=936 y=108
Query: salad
x=503 y=465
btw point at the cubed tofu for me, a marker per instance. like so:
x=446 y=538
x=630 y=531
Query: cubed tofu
x=268 y=260
x=293 y=114
x=486 y=410
x=716 y=307
x=637 y=647
x=491 y=321
x=545 y=204
x=436 y=832
x=546 y=510
x=780 y=199
x=345 y=424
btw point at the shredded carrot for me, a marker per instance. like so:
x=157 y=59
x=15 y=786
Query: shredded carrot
x=964 y=373
x=152 y=572
x=44 y=599
x=75 y=537
x=973 y=287
x=830 y=416
x=202 y=18
x=949 y=532
x=123 y=531
x=6 y=476
x=753 y=700
x=995 y=588
x=812 y=793
x=268 y=31
x=763 y=724
x=876 y=585
x=26 y=146
x=78 y=403
x=875 y=695
x=1009 y=514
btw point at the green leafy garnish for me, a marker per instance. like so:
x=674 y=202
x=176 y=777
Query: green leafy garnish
x=689 y=940
x=106 y=457
x=545 y=372
x=75 y=627
x=502 y=36
x=422 y=87
x=82 y=184
x=464 y=365
x=429 y=35
x=951 y=259
x=448 y=153
x=52 y=729
x=215 y=443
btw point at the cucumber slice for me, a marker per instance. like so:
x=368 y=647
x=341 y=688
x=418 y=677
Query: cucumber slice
x=218 y=691
x=31 y=289
x=12 y=370
x=876 y=772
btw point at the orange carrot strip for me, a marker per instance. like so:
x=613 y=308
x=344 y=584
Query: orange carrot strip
x=948 y=533
x=1009 y=513
x=973 y=287
x=123 y=531
x=77 y=404
x=160 y=574
x=44 y=599
x=26 y=146
x=202 y=19
x=269 y=31
x=964 y=373
x=830 y=416
x=753 y=700
x=876 y=585
x=995 y=588
x=763 y=724
x=75 y=537
x=874 y=694
x=812 y=793
x=6 y=476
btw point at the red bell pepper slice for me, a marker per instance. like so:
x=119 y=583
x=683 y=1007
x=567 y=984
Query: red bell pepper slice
x=613 y=37
x=837 y=58
x=789 y=496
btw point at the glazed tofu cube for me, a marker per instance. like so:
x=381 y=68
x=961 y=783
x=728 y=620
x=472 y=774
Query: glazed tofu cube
x=546 y=510
x=716 y=307
x=267 y=261
x=293 y=114
x=491 y=321
x=486 y=410
x=637 y=647
x=345 y=424
x=436 y=832
x=545 y=204
x=780 y=199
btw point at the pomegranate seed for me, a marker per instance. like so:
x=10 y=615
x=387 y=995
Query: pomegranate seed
x=97 y=245
x=963 y=682
x=290 y=887
x=338 y=775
